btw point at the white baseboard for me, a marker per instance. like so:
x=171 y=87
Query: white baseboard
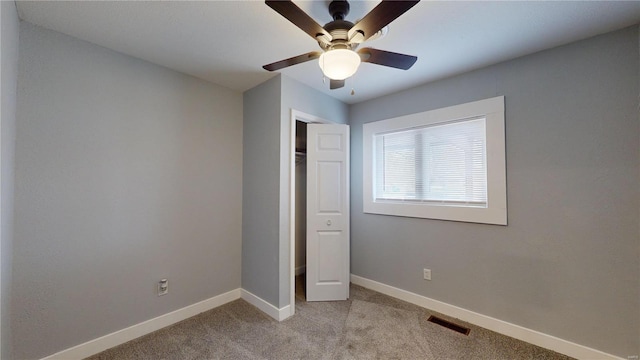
x=502 y=327
x=531 y=336
x=122 y=336
x=265 y=307
x=301 y=270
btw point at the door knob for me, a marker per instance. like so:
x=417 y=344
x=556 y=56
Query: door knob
x=328 y=222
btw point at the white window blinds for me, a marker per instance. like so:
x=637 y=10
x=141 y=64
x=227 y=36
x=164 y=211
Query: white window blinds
x=439 y=164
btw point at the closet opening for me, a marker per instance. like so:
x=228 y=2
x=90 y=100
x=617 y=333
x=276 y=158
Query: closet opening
x=300 y=209
x=298 y=204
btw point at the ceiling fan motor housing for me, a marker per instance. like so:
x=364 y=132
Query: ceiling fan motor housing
x=338 y=28
x=339 y=31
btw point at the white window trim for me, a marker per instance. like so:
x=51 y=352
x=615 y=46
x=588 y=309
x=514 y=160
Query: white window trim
x=495 y=212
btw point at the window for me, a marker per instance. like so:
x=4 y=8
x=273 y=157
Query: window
x=444 y=164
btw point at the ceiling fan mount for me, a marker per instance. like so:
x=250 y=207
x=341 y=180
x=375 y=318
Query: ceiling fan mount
x=341 y=34
x=339 y=9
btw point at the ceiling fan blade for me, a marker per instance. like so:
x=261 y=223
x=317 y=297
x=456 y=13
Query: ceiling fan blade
x=380 y=16
x=292 y=61
x=387 y=58
x=298 y=17
x=336 y=84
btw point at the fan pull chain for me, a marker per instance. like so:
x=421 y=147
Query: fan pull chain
x=353 y=83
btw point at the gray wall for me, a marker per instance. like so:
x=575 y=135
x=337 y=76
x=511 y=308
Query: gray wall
x=567 y=264
x=126 y=173
x=9 y=74
x=265 y=236
x=260 y=186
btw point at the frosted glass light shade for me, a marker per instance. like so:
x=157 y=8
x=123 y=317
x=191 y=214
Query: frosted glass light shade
x=339 y=64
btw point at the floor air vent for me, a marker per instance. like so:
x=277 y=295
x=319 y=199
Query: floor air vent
x=449 y=325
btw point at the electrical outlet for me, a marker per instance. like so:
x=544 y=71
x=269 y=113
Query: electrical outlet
x=163 y=287
x=426 y=273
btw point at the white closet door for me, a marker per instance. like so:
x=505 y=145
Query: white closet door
x=328 y=268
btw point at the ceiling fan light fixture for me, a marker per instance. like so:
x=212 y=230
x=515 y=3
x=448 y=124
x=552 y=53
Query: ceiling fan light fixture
x=339 y=64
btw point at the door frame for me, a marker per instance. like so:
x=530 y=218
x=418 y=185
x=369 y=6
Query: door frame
x=307 y=118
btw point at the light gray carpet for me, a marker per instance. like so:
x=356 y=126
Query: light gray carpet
x=375 y=331
x=367 y=326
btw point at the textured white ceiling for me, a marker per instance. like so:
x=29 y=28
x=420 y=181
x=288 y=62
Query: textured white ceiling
x=227 y=42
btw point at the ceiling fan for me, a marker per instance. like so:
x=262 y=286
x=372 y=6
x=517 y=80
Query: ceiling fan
x=340 y=38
